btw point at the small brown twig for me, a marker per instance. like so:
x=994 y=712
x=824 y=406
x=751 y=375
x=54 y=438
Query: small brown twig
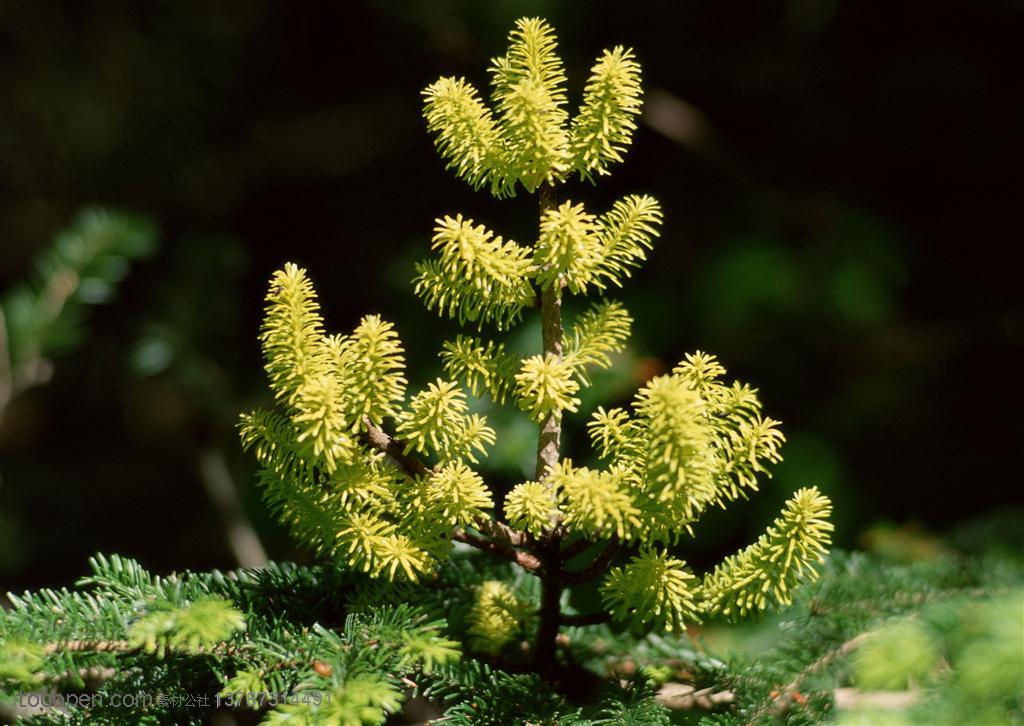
x=499 y=538
x=501 y=531
x=527 y=561
x=394 y=448
x=684 y=697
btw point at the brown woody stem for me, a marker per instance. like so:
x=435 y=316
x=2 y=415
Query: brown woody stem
x=528 y=562
x=550 y=437
x=548 y=452
x=379 y=439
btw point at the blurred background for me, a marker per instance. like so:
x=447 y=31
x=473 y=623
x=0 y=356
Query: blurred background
x=842 y=195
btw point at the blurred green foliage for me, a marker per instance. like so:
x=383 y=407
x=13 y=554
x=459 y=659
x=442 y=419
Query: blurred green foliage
x=44 y=317
x=964 y=660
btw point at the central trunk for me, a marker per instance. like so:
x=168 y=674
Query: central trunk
x=548 y=452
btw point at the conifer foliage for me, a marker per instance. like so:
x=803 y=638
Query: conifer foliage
x=386 y=481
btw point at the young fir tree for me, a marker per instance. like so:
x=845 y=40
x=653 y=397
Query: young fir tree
x=386 y=483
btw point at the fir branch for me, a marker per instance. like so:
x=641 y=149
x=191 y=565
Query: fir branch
x=653 y=587
x=690 y=441
x=596 y=568
x=91 y=646
x=484 y=366
x=604 y=126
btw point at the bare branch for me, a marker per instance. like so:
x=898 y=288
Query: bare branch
x=503 y=533
x=548 y=452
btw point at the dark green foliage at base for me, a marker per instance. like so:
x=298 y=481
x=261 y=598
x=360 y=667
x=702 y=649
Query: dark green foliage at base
x=313 y=632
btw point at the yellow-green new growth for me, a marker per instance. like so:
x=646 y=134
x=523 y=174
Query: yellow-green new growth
x=528 y=91
x=653 y=588
x=484 y=366
x=193 y=628
x=600 y=331
x=530 y=507
x=529 y=140
x=438 y=420
x=546 y=385
x=318 y=467
x=769 y=570
x=604 y=126
x=477 y=276
x=458 y=494
x=327 y=383
x=596 y=503
x=496 y=618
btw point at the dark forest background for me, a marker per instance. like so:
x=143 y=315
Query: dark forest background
x=842 y=190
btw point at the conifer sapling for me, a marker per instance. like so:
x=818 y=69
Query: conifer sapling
x=384 y=480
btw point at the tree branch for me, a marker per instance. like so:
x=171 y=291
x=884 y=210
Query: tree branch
x=548 y=452
x=527 y=561
x=413 y=466
x=595 y=568
x=502 y=532
x=499 y=538
x=92 y=646
x=394 y=448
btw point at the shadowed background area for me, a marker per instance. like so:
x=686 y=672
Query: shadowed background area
x=841 y=196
